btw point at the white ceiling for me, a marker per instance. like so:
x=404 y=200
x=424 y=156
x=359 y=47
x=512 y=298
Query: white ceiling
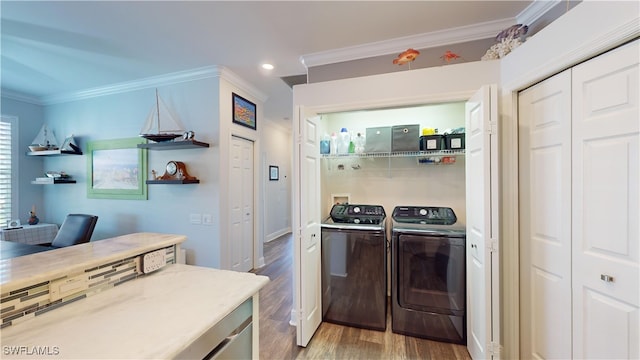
x=52 y=47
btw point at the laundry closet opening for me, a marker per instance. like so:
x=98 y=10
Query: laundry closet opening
x=393 y=178
x=378 y=166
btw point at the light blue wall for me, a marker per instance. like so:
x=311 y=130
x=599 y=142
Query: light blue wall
x=203 y=106
x=30 y=120
x=168 y=207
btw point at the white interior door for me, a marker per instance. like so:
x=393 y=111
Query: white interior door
x=241 y=204
x=306 y=202
x=545 y=218
x=482 y=236
x=606 y=193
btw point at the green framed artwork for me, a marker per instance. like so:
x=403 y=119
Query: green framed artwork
x=117 y=169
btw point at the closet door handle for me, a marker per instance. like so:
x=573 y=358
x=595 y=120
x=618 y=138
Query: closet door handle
x=606 y=278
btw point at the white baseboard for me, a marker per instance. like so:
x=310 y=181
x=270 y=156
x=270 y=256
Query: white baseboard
x=294 y=320
x=277 y=234
x=260 y=263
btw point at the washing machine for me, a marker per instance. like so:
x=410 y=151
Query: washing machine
x=354 y=263
x=428 y=280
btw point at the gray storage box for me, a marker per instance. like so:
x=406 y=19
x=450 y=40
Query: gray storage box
x=378 y=140
x=405 y=138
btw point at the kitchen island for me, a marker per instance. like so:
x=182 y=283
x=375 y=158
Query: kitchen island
x=178 y=311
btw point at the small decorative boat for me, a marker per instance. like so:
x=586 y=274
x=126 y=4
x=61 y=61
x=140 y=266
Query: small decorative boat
x=161 y=124
x=45 y=140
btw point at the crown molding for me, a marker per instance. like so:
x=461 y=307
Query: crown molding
x=14 y=95
x=145 y=83
x=419 y=41
x=428 y=40
x=535 y=10
x=242 y=84
x=154 y=81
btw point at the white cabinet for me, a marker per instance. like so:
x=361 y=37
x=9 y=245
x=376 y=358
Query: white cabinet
x=579 y=184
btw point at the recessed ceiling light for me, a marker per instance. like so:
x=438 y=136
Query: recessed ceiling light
x=267 y=66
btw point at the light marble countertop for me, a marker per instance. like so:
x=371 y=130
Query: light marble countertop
x=25 y=270
x=153 y=317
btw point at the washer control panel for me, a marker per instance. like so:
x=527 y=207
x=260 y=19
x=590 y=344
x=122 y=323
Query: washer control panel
x=357 y=214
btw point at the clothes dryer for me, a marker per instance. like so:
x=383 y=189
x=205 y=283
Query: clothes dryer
x=428 y=281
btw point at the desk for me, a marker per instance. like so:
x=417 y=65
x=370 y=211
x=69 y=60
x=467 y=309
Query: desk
x=10 y=249
x=31 y=234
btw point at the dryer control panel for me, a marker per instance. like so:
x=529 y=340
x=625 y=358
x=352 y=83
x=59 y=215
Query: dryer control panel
x=357 y=214
x=424 y=215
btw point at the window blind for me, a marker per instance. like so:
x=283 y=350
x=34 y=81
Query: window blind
x=5 y=171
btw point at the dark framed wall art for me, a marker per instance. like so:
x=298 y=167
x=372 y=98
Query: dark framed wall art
x=274 y=173
x=244 y=111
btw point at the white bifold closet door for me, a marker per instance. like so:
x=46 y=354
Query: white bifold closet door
x=605 y=217
x=545 y=218
x=579 y=218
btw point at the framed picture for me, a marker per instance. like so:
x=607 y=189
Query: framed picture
x=244 y=111
x=117 y=169
x=273 y=173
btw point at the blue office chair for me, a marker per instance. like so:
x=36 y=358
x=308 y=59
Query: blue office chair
x=76 y=229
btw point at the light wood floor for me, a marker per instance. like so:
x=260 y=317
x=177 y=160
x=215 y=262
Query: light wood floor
x=331 y=341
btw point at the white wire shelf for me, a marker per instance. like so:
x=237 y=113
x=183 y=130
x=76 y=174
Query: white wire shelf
x=459 y=152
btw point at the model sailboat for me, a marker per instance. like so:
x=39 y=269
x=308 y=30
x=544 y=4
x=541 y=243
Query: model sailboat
x=45 y=140
x=161 y=124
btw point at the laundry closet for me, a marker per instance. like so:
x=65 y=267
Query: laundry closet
x=381 y=170
x=390 y=179
x=436 y=183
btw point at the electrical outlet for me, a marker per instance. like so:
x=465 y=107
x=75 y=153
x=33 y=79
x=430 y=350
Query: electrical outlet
x=207 y=219
x=195 y=219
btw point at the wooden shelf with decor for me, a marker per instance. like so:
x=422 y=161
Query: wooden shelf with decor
x=174 y=145
x=53 y=181
x=53 y=153
x=184 y=181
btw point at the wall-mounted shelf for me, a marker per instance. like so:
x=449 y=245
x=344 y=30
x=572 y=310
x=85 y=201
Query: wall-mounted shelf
x=55 y=181
x=173 y=181
x=174 y=145
x=460 y=152
x=53 y=153
x=389 y=162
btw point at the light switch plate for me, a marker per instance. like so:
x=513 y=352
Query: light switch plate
x=195 y=218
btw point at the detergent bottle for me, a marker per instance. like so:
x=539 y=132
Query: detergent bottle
x=352 y=147
x=334 y=143
x=359 y=143
x=343 y=141
x=325 y=144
